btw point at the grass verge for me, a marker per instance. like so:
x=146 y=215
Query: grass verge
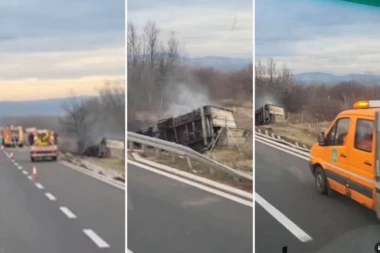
x=301 y=133
x=115 y=164
x=198 y=169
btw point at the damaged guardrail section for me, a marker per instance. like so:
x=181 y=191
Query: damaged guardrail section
x=176 y=149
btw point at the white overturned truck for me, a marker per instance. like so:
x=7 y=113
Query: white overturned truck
x=43 y=145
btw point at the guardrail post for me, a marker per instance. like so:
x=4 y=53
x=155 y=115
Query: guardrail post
x=173 y=158
x=189 y=162
x=131 y=145
x=158 y=152
x=143 y=147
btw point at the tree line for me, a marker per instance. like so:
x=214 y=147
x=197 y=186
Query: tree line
x=321 y=101
x=156 y=65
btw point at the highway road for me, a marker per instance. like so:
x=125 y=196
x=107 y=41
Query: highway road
x=64 y=211
x=290 y=212
x=170 y=216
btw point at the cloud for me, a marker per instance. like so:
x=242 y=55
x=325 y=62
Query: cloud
x=36 y=89
x=62 y=64
x=203 y=27
x=61 y=43
x=329 y=36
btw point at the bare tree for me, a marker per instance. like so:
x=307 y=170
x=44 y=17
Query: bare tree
x=77 y=121
x=272 y=71
x=134 y=53
x=152 y=32
x=259 y=74
x=112 y=98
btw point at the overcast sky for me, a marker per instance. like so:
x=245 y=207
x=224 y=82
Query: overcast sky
x=204 y=27
x=332 y=36
x=48 y=47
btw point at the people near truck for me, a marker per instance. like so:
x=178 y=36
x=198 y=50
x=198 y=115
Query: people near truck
x=31 y=139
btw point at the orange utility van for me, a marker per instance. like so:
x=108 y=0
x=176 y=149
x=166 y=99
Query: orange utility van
x=346 y=157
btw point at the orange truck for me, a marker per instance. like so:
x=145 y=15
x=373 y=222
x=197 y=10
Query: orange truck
x=346 y=158
x=43 y=145
x=12 y=136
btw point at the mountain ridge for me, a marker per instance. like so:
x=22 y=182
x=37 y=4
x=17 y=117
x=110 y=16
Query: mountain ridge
x=330 y=79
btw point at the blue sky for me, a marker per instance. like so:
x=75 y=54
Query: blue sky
x=54 y=46
x=204 y=27
x=319 y=35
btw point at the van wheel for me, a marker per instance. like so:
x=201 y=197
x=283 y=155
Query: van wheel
x=321 y=181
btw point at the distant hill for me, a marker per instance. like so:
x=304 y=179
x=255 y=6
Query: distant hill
x=219 y=63
x=329 y=79
x=48 y=107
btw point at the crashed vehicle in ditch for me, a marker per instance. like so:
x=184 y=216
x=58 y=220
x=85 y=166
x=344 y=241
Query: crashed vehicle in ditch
x=200 y=129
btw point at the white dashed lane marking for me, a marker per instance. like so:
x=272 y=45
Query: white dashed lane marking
x=68 y=213
x=39 y=186
x=50 y=196
x=95 y=238
x=89 y=232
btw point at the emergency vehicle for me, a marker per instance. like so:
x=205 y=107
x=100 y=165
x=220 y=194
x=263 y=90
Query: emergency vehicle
x=346 y=157
x=43 y=145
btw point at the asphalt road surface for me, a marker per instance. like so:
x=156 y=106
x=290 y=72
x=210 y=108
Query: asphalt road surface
x=334 y=224
x=64 y=211
x=169 y=216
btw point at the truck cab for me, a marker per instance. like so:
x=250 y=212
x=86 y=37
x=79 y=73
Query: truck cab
x=346 y=157
x=43 y=145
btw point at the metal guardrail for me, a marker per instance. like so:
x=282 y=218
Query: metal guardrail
x=183 y=151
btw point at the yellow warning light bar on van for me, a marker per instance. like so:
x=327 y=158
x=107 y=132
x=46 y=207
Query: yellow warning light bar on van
x=365 y=104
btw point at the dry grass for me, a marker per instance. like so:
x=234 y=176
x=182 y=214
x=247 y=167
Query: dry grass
x=302 y=133
x=198 y=169
x=109 y=163
x=243 y=114
x=233 y=158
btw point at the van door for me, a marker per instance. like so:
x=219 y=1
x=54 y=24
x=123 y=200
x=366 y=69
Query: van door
x=336 y=153
x=361 y=162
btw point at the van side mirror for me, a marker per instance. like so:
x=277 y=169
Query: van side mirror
x=321 y=139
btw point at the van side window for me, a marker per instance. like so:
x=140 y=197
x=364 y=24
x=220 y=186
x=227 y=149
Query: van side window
x=364 y=135
x=338 y=133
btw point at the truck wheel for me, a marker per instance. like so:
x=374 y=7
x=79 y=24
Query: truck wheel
x=321 y=183
x=21 y=145
x=32 y=159
x=54 y=158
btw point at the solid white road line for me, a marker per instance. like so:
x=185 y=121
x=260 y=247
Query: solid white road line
x=50 y=196
x=194 y=184
x=96 y=239
x=280 y=217
x=39 y=186
x=286 y=150
x=120 y=185
x=25 y=172
x=68 y=213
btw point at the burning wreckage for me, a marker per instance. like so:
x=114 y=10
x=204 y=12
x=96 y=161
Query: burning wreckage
x=105 y=148
x=202 y=129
